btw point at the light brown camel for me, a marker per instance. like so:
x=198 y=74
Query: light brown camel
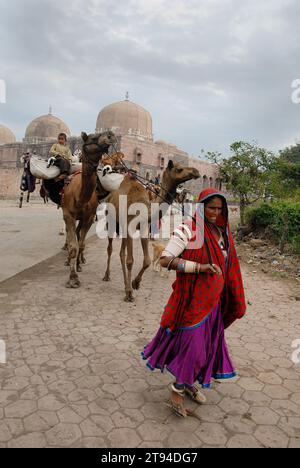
x=113 y=160
x=174 y=175
x=80 y=201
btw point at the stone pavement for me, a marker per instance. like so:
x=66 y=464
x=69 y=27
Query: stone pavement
x=28 y=235
x=74 y=376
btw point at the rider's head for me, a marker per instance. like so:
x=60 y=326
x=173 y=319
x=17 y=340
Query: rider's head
x=62 y=138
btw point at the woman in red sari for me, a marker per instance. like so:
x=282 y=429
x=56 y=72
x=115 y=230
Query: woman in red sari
x=208 y=296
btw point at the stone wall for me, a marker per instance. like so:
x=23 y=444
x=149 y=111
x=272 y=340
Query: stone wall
x=10 y=155
x=209 y=176
x=149 y=158
x=10 y=180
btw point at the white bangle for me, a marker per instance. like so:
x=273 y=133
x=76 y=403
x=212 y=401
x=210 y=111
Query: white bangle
x=190 y=267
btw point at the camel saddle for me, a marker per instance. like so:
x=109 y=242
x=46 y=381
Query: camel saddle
x=39 y=168
x=109 y=179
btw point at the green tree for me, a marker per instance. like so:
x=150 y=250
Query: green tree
x=291 y=154
x=247 y=173
x=286 y=177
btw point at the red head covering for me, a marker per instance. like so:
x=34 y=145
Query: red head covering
x=196 y=295
x=210 y=193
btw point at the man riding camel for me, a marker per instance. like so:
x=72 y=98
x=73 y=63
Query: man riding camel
x=61 y=156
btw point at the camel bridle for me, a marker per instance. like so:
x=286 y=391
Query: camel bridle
x=100 y=148
x=167 y=198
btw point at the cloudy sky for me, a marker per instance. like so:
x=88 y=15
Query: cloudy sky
x=209 y=71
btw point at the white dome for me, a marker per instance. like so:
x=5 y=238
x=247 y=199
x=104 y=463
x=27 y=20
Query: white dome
x=45 y=129
x=6 y=136
x=125 y=117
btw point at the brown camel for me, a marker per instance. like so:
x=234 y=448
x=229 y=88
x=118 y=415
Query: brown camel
x=80 y=200
x=174 y=175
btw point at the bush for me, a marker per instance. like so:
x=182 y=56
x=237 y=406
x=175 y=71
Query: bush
x=281 y=218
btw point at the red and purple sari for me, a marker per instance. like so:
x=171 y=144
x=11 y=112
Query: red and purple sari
x=191 y=342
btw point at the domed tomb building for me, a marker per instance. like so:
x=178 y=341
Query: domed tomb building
x=134 y=127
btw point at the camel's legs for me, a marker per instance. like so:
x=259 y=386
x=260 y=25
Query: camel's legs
x=64 y=232
x=109 y=255
x=147 y=262
x=123 y=260
x=73 y=251
x=128 y=297
x=84 y=229
x=78 y=229
x=129 y=265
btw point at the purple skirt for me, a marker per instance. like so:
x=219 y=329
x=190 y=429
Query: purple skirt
x=192 y=354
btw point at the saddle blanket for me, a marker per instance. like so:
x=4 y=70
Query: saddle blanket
x=110 y=180
x=39 y=169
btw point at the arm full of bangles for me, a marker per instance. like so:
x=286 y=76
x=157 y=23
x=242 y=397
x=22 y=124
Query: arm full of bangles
x=171 y=260
x=186 y=266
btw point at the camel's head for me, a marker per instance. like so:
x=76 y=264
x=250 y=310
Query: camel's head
x=95 y=146
x=113 y=160
x=178 y=174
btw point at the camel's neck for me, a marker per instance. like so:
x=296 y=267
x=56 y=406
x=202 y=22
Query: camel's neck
x=89 y=181
x=167 y=193
x=101 y=192
x=166 y=196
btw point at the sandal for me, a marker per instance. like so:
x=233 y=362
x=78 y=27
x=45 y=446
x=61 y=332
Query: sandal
x=178 y=408
x=196 y=395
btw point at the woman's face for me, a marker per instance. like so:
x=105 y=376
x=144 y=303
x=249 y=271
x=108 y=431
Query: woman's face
x=213 y=209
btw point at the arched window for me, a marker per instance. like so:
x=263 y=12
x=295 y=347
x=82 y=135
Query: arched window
x=138 y=156
x=211 y=182
x=205 y=181
x=218 y=184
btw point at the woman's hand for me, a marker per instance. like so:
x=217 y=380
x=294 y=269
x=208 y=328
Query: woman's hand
x=211 y=269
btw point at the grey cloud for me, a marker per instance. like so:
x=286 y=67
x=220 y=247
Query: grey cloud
x=209 y=72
